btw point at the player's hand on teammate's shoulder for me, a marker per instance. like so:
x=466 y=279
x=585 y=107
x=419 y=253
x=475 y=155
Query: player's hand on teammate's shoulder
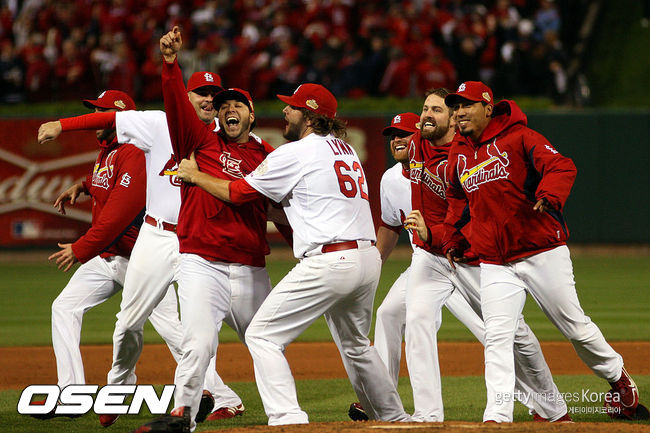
x=170 y=44
x=49 y=131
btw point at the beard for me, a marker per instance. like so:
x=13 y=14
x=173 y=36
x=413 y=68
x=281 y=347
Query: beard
x=106 y=136
x=293 y=131
x=438 y=132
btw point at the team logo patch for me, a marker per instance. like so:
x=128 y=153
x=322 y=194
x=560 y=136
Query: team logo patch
x=208 y=77
x=231 y=165
x=311 y=103
x=461 y=88
x=171 y=169
x=126 y=180
x=397 y=119
x=119 y=104
x=486 y=96
x=492 y=169
x=261 y=169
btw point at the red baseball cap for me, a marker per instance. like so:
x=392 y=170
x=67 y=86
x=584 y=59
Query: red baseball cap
x=313 y=97
x=111 y=99
x=472 y=91
x=403 y=122
x=236 y=94
x=202 y=79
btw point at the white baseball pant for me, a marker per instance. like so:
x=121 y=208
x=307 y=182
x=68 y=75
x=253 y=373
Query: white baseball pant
x=430 y=283
x=92 y=283
x=341 y=285
x=148 y=291
x=548 y=277
x=391 y=322
x=209 y=294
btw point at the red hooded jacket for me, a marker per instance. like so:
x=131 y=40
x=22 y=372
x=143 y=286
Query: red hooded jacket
x=502 y=175
x=427 y=167
x=118 y=188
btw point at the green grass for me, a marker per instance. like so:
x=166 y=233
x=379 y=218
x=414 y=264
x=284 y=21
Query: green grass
x=326 y=401
x=614 y=292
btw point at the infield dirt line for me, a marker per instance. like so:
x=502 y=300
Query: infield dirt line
x=22 y=366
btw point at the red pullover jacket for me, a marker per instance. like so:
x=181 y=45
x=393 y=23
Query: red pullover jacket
x=502 y=176
x=207 y=226
x=427 y=170
x=118 y=189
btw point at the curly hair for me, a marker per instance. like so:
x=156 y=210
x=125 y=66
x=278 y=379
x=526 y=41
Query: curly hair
x=323 y=125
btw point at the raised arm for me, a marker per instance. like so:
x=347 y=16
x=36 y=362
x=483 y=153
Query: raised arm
x=49 y=131
x=186 y=131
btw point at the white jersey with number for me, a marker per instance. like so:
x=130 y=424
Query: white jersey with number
x=147 y=130
x=323 y=189
x=395 y=194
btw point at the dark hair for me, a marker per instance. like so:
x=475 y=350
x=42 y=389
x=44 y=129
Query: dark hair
x=441 y=92
x=323 y=125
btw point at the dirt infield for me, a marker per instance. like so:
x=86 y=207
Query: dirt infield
x=20 y=366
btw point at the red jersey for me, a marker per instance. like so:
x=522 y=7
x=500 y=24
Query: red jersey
x=118 y=189
x=207 y=226
x=502 y=176
x=428 y=165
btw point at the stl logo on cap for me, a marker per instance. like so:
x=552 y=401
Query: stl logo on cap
x=311 y=103
x=461 y=88
x=208 y=77
x=101 y=95
x=397 y=119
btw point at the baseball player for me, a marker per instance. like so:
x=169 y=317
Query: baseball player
x=117 y=187
x=395 y=195
x=432 y=280
x=155 y=256
x=318 y=179
x=516 y=184
x=222 y=274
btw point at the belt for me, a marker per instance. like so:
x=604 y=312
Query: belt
x=165 y=226
x=340 y=246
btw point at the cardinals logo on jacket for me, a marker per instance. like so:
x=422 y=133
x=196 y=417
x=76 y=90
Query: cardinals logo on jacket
x=436 y=182
x=231 y=165
x=489 y=170
x=171 y=169
x=101 y=174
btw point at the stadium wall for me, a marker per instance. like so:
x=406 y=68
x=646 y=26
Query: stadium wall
x=609 y=202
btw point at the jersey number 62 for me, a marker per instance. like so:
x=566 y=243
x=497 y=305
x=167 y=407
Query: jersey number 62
x=347 y=183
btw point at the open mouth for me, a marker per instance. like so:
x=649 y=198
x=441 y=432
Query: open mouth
x=428 y=125
x=400 y=147
x=232 y=121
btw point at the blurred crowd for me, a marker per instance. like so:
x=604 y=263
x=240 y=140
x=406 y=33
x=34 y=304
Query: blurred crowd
x=67 y=49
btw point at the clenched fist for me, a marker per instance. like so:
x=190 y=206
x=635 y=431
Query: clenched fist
x=49 y=131
x=170 y=44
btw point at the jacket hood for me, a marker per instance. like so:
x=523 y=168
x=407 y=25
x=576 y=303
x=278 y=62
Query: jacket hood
x=506 y=113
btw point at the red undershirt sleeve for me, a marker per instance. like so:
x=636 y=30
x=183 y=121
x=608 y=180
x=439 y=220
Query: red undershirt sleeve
x=88 y=121
x=242 y=192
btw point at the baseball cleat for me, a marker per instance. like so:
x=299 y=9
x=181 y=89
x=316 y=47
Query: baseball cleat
x=178 y=421
x=226 y=412
x=205 y=407
x=626 y=388
x=356 y=412
x=564 y=418
x=107 y=420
